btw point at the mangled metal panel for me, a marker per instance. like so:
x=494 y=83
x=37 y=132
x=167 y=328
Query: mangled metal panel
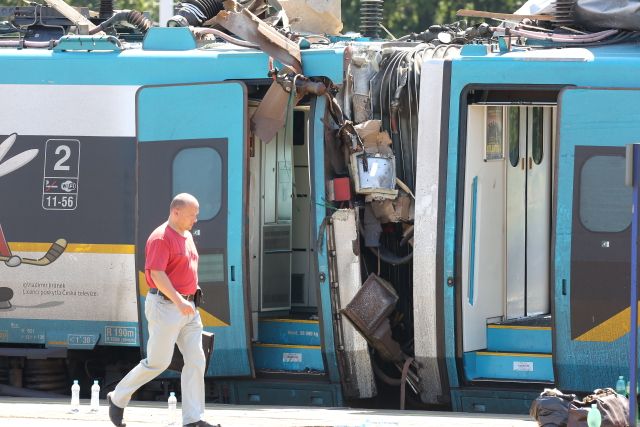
x=245 y=24
x=359 y=377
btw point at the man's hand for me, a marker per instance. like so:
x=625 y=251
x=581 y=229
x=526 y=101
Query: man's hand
x=185 y=306
x=163 y=283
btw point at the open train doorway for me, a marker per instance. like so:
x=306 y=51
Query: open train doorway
x=506 y=242
x=284 y=308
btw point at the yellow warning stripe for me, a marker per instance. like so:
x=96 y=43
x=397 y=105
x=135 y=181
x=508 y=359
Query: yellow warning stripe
x=207 y=318
x=289 y=321
x=543 y=328
x=495 y=353
x=95 y=248
x=309 y=347
x=611 y=329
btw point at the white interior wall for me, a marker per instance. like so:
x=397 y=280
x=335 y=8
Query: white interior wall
x=488 y=269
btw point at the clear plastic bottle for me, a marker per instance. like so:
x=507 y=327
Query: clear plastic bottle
x=95 y=396
x=75 y=396
x=172 y=408
x=621 y=386
x=594 y=419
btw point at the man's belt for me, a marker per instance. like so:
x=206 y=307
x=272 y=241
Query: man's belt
x=157 y=291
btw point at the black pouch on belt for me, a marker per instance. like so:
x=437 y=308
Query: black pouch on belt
x=198 y=298
x=177 y=361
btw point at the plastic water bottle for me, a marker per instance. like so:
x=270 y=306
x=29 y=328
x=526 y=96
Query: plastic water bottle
x=594 y=419
x=172 y=405
x=75 y=396
x=95 y=396
x=621 y=386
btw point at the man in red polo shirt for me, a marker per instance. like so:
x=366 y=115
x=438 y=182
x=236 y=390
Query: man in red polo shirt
x=171 y=270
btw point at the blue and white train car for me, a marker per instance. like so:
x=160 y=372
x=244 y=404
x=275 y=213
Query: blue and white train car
x=524 y=221
x=96 y=138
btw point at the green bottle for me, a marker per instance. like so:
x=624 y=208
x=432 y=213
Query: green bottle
x=594 y=419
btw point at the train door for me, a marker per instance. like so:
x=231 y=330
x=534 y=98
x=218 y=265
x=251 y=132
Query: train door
x=191 y=138
x=592 y=236
x=528 y=207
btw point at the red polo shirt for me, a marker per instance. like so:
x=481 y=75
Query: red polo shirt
x=174 y=254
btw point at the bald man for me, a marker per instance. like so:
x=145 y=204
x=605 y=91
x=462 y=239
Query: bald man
x=171 y=270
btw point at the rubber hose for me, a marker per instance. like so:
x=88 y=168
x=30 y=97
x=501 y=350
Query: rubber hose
x=390 y=258
x=133 y=17
x=195 y=12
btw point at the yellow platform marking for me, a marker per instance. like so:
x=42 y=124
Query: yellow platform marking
x=289 y=321
x=544 y=328
x=208 y=319
x=95 y=248
x=493 y=353
x=611 y=329
x=310 y=347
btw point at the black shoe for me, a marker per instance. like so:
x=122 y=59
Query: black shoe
x=115 y=412
x=201 y=423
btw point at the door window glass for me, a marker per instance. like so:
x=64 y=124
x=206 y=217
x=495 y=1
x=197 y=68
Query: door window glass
x=198 y=171
x=605 y=200
x=537 y=134
x=513 y=121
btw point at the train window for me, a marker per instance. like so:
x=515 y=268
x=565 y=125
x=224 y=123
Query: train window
x=513 y=125
x=605 y=200
x=211 y=268
x=198 y=171
x=537 y=134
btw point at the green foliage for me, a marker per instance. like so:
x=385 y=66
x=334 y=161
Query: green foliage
x=405 y=16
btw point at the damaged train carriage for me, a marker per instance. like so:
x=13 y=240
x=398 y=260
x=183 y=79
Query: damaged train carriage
x=445 y=217
x=129 y=115
x=521 y=229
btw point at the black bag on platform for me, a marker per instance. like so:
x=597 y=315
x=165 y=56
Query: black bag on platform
x=551 y=408
x=556 y=409
x=177 y=362
x=613 y=408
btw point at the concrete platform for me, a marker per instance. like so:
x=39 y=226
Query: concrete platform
x=21 y=412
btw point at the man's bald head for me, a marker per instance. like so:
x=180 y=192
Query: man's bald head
x=183 y=212
x=183 y=199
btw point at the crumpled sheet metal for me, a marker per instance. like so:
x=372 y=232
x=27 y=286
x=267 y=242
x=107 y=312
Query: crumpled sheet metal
x=245 y=24
x=369 y=310
x=374 y=301
x=271 y=114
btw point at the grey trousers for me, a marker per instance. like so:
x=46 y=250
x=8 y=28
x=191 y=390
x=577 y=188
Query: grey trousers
x=168 y=326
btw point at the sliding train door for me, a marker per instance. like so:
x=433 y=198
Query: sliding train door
x=592 y=246
x=528 y=207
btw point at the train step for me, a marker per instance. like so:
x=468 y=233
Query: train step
x=526 y=335
x=508 y=366
x=287 y=358
x=289 y=331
